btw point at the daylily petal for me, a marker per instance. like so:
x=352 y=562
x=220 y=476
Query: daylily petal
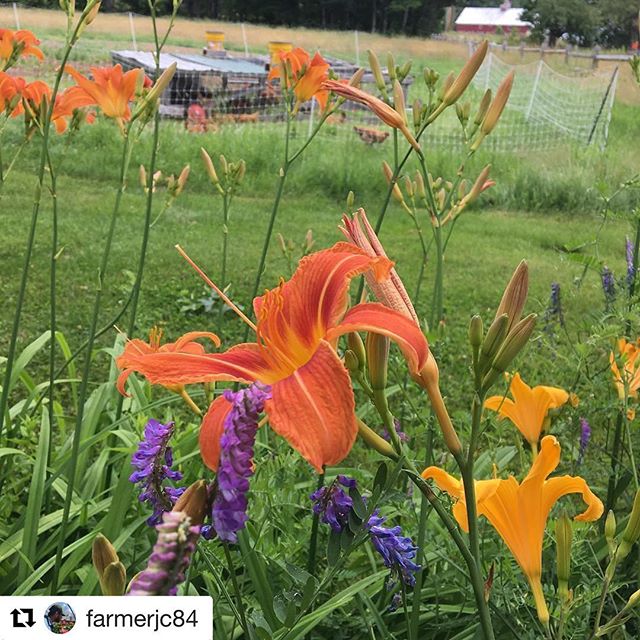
x=242 y=363
x=211 y=431
x=376 y=318
x=314 y=409
x=316 y=297
x=558 y=396
x=555 y=488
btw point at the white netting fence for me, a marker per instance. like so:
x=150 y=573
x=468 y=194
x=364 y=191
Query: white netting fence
x=546 y=108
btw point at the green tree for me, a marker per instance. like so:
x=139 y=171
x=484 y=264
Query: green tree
x=576 y=20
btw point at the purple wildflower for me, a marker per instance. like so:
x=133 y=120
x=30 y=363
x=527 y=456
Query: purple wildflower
x=397 y=551
x=608 y=286
x=153 y=461
x=585 y=436
x=170 y=557
x=631 y=269
x=401 y=434
x=229 y=512
x=554 y=311
x=332 y=504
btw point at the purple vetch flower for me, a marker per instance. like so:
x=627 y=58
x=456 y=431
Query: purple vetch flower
x=608 y=286
x=401 y=434
x=229 y=512
x=585 y=436
x=153 y=460
x=555 y=304
x=397 y=551
x=170 y=557
x=631 y=269
x=332 y=504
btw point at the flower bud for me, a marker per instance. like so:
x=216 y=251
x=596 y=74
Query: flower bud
x=208 y=165
x=356 y=78
x=241 y=170
x=404 y=70
x=515 y=341
x=388 y=174
x=114 y=579
x=224 y=164
x=375 y=441
x=374 y=64
x=431 y=77
x=475 y=337
x=482 y=108
x=631 y=532
x=481 y=183
x=515 y=293
x=92 y=13
x=142 y=176
x=493 y=340
x=416 y=111
x=446 y=85
x=497 y=105
x=398 y=100
x=103 y=553
x=391 y=66
x=351 y=362
x=420 y=190
x=111 y=572
x=351 y=198
x=161 y=83
x=377 y=348
x=564 y=534
x=459 y=86
x=408 y=186
x=356 y=345
x=194 y=502
x=182 y=179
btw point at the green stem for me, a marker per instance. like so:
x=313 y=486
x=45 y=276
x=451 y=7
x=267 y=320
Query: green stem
x=52 y=297
x=313 y=542
x=84 y=385
x=422 y=534
x=236 y=588
x=225 y=242
x=46 y=128
x=272 y=219
x=437 y=304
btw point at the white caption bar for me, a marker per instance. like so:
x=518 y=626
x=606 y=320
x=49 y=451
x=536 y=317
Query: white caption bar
x=97 y=617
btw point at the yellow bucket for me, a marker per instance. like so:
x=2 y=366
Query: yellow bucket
x=215 y=40
x=275 y=48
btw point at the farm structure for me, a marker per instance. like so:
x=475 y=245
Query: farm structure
x=210 y=90
x=490 y=19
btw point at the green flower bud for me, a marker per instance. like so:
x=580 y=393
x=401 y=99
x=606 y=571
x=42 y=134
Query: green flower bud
x=564 y=534
x=631 y=532
x=377 y=348
x=374 y=64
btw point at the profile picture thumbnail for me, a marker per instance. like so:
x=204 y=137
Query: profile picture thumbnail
x=60 y=618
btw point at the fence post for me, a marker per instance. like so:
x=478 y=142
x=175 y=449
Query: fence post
x=487 y=80
x=522 y=51
x=133 y=32
x=534 y=90
x=15 y=16
x=357 y=43
x=567 y=53
x=596 y=53
x=313 y=104
x=244 y=40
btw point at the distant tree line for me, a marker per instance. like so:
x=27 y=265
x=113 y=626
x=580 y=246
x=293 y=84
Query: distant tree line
x=610 y=23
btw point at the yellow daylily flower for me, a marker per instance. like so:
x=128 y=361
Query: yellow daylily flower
x=529 y=408
x=519 y=511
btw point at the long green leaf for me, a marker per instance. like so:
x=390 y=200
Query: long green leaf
x=311 y=620
x=26 y=356
x=34 y=503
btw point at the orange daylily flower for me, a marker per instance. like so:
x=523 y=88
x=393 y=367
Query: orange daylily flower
x=306 y=75
x=11 y=89
x=519 y=511
x=36 y=96
x=386 y=113
x=627 y=381
x=298 y=325
x=14 y=44
x=529 y=408
x=111 y=90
